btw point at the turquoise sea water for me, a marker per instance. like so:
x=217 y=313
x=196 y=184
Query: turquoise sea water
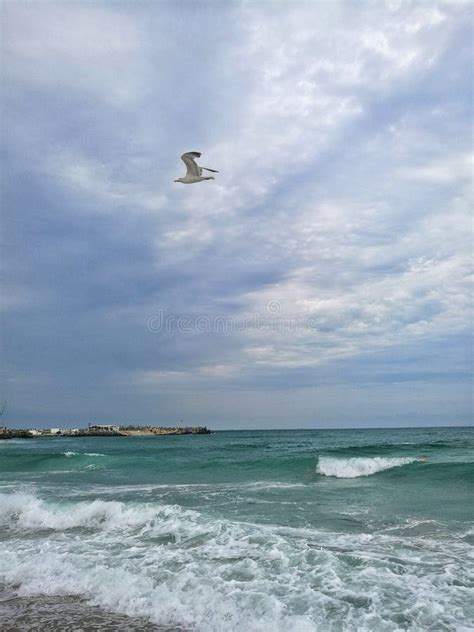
x=249 y=531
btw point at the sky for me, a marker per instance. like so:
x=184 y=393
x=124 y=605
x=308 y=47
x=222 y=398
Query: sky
x=321 y=280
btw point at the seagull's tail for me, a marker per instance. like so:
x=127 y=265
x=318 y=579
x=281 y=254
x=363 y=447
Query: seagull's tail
x=206 y=169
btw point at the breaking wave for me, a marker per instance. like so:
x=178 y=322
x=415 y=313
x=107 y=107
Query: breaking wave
x=26 y=511
x=357 y=466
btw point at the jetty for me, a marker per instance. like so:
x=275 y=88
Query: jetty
x=102 y=430
x=146 y=431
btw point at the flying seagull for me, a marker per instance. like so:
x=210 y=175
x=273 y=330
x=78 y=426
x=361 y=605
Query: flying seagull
x=194 y=171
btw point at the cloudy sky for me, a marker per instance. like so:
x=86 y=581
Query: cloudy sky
x=322 y=280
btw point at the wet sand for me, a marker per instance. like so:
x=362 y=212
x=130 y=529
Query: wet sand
x=64 y=614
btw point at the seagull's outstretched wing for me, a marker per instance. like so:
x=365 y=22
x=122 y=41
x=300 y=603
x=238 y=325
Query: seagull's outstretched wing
x=191 y=166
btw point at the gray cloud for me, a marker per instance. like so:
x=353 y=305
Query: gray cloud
x=340 y=134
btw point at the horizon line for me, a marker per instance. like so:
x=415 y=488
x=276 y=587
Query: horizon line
x=183 y=425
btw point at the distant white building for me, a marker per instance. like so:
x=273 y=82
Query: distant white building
x=59 y=431
x=35 y=433
x=103 y=428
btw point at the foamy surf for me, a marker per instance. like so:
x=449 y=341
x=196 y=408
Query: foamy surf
x=355 y=467
x=186 y=569
x=27 y=511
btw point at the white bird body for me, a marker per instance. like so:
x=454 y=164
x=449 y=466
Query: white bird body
x=193 y=170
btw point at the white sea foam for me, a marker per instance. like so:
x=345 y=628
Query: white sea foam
x=23 y=510
x=69 y=454
x=355 y=467
x=193 y=488
x=180 y=568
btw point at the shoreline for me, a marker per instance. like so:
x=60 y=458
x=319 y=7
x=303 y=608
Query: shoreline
x=56 y=612
x=125 y=431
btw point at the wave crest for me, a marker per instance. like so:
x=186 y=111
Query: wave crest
x=358 y=466
x=26 y=511
x=69 y=454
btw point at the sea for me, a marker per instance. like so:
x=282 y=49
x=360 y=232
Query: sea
x=245 y=531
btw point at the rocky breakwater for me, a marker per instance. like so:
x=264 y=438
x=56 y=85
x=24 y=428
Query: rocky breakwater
x=142 y=431
x=12 y=433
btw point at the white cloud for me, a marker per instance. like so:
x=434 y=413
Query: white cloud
x=310 y=77
x=448 y=169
